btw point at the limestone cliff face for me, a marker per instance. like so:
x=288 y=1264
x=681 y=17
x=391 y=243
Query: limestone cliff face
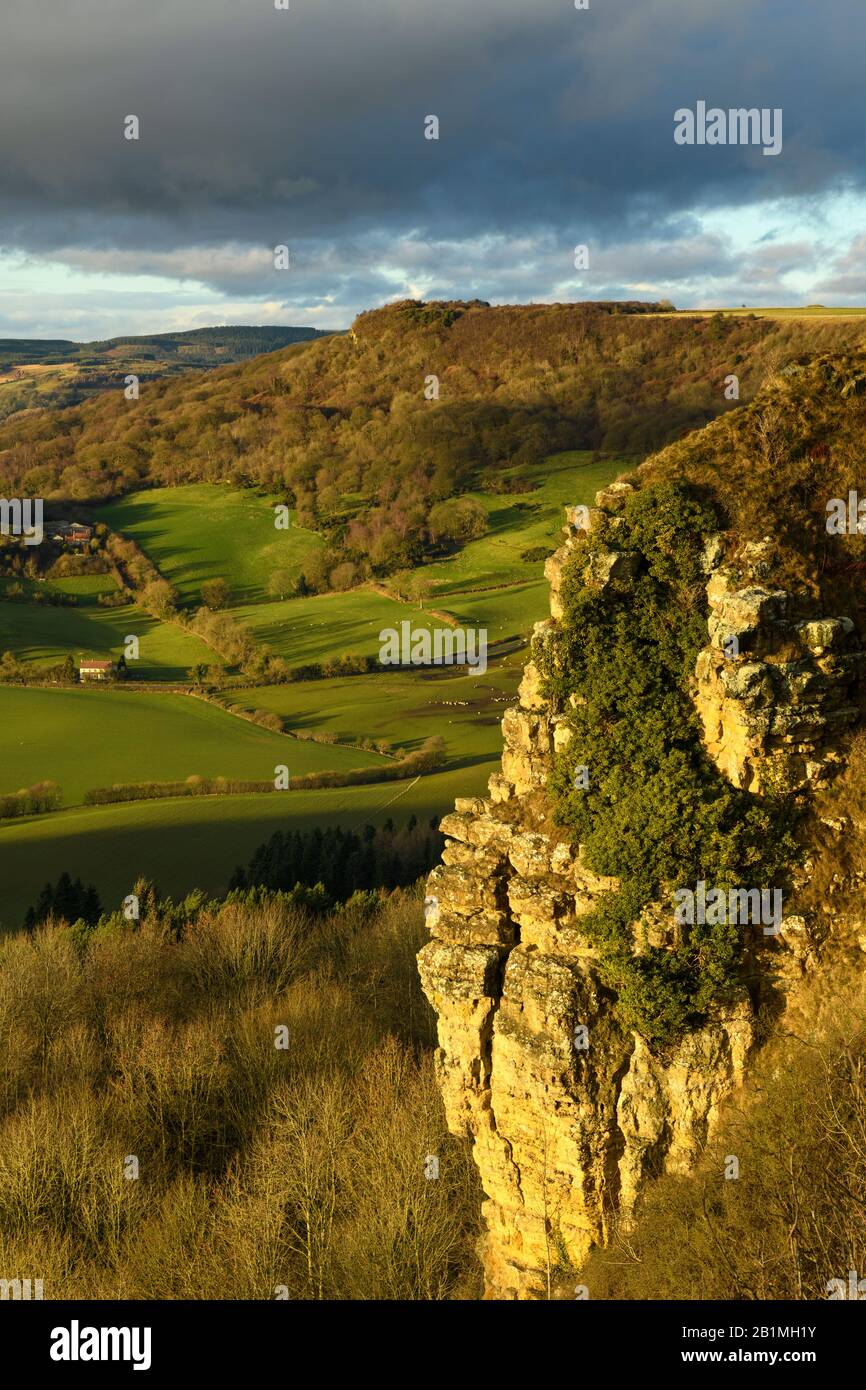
x=569 y=1111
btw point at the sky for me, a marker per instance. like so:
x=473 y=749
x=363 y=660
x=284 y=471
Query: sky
x=304 y=127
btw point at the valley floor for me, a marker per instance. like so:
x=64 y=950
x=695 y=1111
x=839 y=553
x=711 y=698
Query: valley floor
x=93 y=738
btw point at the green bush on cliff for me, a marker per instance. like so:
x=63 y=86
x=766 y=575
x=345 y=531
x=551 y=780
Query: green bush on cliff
x=656 y=813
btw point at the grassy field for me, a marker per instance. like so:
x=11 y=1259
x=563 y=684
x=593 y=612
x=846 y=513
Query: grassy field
x=404 y=707
x=487 y=583
x=93 y=738
x=523 y=522
x=204 y=532
x=181 y=844
x=326 y=625
x=85 y=587
x=503 y=612
x=87 y=738
x=44 y=635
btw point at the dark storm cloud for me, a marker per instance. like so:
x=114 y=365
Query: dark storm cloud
x=305 y=126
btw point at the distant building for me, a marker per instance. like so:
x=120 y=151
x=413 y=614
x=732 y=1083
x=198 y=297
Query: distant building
x=71 y=533
x=95 y=670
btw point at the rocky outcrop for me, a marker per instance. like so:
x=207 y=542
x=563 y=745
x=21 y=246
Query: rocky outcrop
x=568 y=1111
x=774 y=694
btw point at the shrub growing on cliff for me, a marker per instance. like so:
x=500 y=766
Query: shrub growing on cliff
x=656 y=813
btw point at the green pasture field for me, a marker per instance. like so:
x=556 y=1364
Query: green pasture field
x=84 y=738
x=87 y=738
x=183 y=844
x=45 y=635
x=507 y=612
x=521 y=522
x=206 y=531
x=405 y=707
x=85 y=587
x=305 y=630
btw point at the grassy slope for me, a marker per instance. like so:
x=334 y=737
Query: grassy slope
x=204 y=532
x=486 y=583
x=327 y=625
x=522 y=522
x=44 y=635
x=403 y=707
x=184 y=843
x=84 y=586
x=92 y=738
x=306 y=630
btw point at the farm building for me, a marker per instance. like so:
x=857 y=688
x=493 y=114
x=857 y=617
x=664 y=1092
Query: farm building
x=71 y=532
x=92 y=669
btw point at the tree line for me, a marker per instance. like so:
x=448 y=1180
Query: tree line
x=313 y=869
x=343 y=861
x=341 y=427
x=427 y=758
x=31 y=801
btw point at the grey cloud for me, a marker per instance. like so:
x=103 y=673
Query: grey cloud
x=306 y=127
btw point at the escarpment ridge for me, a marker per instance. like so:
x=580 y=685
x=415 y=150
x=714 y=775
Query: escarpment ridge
x=561 y=1055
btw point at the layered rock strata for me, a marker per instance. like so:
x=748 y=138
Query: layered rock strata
x=568 y=1111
